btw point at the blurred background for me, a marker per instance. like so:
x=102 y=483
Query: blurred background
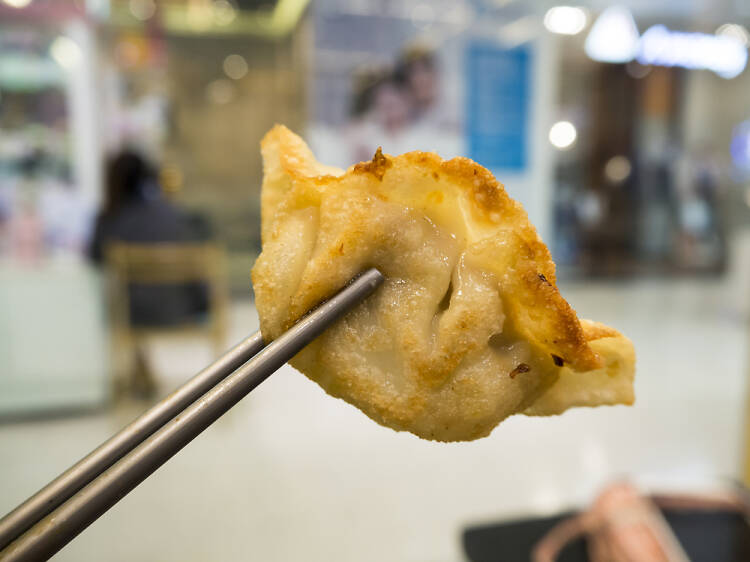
x=130 y=176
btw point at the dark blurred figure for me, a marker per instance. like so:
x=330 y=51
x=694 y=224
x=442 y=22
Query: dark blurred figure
x=416 y=71
x=379 y=114
x=135 y=211
x=365 y=82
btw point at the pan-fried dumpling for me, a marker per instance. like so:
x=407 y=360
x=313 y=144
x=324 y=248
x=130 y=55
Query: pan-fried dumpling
x=468 y=328
x=610 y=384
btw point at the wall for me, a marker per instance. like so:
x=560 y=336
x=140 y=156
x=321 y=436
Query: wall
x=216 y=146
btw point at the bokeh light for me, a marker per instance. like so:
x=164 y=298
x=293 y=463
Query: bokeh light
x=142 y=9
x=562 y=135
x=220 y=91
x=235 y=66
x=565 y=20
x=66 y=52
x=617 y=169
x=17 y=3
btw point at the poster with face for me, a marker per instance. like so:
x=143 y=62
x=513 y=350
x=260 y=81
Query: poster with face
x=384 y=78
x=443 y=77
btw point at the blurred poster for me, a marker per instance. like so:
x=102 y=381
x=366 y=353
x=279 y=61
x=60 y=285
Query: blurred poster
x=378 y=82
x=454 y=83
x=497 y=105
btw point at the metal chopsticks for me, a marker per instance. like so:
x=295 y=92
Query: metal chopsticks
x=109 y=452
x=70 y=503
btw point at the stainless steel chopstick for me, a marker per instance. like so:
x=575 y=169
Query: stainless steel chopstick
x=97 y=461
x=63 y=524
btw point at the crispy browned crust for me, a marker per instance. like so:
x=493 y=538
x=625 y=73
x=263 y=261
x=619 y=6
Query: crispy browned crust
x=533 y=287
x=377 y=166
x=596 y=330
x=530 y=292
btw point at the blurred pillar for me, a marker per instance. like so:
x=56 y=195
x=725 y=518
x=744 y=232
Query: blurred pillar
x=82 y=108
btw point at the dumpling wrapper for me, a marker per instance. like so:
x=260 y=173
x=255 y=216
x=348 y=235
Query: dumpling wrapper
x=468 y=328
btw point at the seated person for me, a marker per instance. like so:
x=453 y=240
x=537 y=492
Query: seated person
x=135 y=211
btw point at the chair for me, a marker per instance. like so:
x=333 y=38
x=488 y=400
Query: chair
x=163 y=264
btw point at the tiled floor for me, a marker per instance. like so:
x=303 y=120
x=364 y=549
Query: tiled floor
x=291 y=474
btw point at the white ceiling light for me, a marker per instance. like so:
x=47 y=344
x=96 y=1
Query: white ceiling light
x=562 y=135
x=565 y=20
x=613 y=37
x=65 y=51
x=17 y=3
x=726 y=56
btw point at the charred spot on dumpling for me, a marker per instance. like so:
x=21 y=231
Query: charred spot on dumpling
x=557 y=360
x=520 y=368
x=544 y=279
x=377 y=166
x=486 y=195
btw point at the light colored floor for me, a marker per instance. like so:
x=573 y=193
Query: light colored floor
x=291 y=474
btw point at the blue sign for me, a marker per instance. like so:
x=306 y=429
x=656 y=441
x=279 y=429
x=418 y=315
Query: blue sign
x=497 y=112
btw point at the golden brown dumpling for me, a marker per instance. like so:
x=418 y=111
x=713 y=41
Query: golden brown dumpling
x=468 y=328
